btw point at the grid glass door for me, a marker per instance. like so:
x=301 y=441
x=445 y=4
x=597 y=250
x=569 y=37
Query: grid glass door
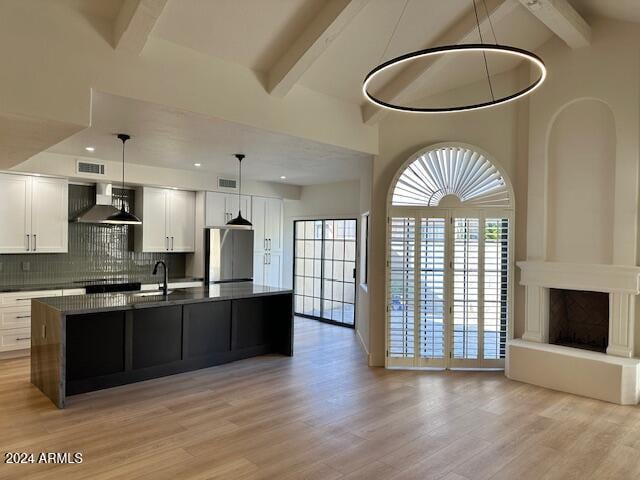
x=325 y=270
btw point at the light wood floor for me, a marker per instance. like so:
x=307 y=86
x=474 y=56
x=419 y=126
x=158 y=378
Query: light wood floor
x=319 y=415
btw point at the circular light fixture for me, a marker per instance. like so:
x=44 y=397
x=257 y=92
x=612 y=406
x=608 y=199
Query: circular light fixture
x=90 y=149
x=197 y=165
x=472 y=47
x=481 y=47
x=282 y=177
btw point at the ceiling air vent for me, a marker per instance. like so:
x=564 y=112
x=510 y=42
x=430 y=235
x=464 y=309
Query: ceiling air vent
x=228 y=183
x=90 y=168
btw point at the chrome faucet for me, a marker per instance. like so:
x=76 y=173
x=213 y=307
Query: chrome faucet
x=165 y=284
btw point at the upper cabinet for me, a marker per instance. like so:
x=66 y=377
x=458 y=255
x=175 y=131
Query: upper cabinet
x=168 y=220
x=34 y=213
x=222 y=207
x=267 y=223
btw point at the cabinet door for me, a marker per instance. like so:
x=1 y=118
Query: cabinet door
x=155 y=237
x=215 y=209
x=259 y=266
x=15 y=213
x=259 y=213
x=182 y=220
x=49 y=215
x=157 y=336
x=207 y=329
x=273 y=270
x=274 y=224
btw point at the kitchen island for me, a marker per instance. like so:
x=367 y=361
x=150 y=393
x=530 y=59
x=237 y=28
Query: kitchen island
x=90 y=342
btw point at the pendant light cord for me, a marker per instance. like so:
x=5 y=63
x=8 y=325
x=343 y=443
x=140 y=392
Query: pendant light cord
x=493 y=32
x=484 y=54
x=393 y=33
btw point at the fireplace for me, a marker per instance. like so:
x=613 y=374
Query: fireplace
x=579 y=319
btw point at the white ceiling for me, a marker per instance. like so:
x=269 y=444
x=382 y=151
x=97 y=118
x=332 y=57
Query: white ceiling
x=625 y=10
x=252 y=33
x=171 y=138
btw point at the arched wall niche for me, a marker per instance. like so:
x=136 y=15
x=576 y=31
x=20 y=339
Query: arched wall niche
x=581 y=149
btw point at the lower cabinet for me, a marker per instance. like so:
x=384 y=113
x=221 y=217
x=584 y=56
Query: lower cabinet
x=115 y=348
x=95 y=345
x=207 y=329
x=156 y=336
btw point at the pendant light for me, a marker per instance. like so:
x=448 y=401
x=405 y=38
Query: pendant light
x=484 y=48
x=239 y=221
x=123 y=217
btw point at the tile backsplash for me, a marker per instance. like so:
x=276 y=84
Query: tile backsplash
x=95 y=251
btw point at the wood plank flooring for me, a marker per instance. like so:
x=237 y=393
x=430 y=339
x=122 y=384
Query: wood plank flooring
x=319 y=415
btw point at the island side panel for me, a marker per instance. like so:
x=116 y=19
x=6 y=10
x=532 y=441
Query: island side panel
x=47 y=352
x=280 y=318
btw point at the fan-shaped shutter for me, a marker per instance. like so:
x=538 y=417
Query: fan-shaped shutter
x=451 y=171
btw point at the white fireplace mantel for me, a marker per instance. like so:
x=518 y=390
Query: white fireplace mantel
x=621 y=282
x=580 y=276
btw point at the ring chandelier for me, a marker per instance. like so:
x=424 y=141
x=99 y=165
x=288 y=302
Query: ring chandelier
x=481 y=47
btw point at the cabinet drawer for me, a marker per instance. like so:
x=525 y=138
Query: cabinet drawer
x=24 y=298
x=16 y=317
x=15 y=339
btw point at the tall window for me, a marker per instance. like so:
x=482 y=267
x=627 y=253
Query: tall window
x=325 y=270
x=448 y=262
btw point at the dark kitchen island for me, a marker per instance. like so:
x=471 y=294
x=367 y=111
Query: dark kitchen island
x=90 y=342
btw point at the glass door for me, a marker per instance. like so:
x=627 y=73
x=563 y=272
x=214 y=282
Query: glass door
x=325 y=270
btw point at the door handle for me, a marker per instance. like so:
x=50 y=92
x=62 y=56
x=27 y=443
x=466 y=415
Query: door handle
x=28 y=242
x=269 y=244
x=166 y=243
x=22 y=338
x=23 y=316
x=172 y=242
x=35 y=242
x=269 y=258
x=265 y=243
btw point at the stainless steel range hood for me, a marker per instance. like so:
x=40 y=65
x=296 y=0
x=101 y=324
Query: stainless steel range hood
x=103 y=208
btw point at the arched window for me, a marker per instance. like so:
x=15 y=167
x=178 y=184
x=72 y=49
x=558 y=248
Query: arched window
x=449 y=268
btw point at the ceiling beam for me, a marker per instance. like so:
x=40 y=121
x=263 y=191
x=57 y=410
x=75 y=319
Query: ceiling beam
x=134 y=23
x=562 y=19
x=402 y=86
x=324 y=29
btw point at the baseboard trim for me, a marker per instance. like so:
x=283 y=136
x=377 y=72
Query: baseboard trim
x=362 y=344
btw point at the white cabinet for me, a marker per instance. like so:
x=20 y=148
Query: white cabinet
x=168 y=220
x=33 y=214
x=15 y=318
x=181 y=220
x=267 y=225
x=222 y=207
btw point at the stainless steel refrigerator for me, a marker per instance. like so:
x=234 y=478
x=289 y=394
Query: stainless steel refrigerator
x=228 y=254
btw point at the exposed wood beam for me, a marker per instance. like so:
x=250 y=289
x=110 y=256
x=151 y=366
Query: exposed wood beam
x=562 y=19
x=403 y=85
x=323 y=30
x=134 y=23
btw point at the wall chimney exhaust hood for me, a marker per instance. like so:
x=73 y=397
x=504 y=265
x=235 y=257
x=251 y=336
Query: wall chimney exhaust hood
x=103 y=208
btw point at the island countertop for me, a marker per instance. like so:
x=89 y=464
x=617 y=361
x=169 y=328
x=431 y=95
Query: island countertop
x=108 y=302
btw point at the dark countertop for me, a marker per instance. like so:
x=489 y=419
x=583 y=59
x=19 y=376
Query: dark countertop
x=83 y=284
x=105 y=302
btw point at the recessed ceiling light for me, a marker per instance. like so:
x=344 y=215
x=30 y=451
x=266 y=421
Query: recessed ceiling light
x=174 y=188
x=282 y=177
x=90 y=149
x=197 y=165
